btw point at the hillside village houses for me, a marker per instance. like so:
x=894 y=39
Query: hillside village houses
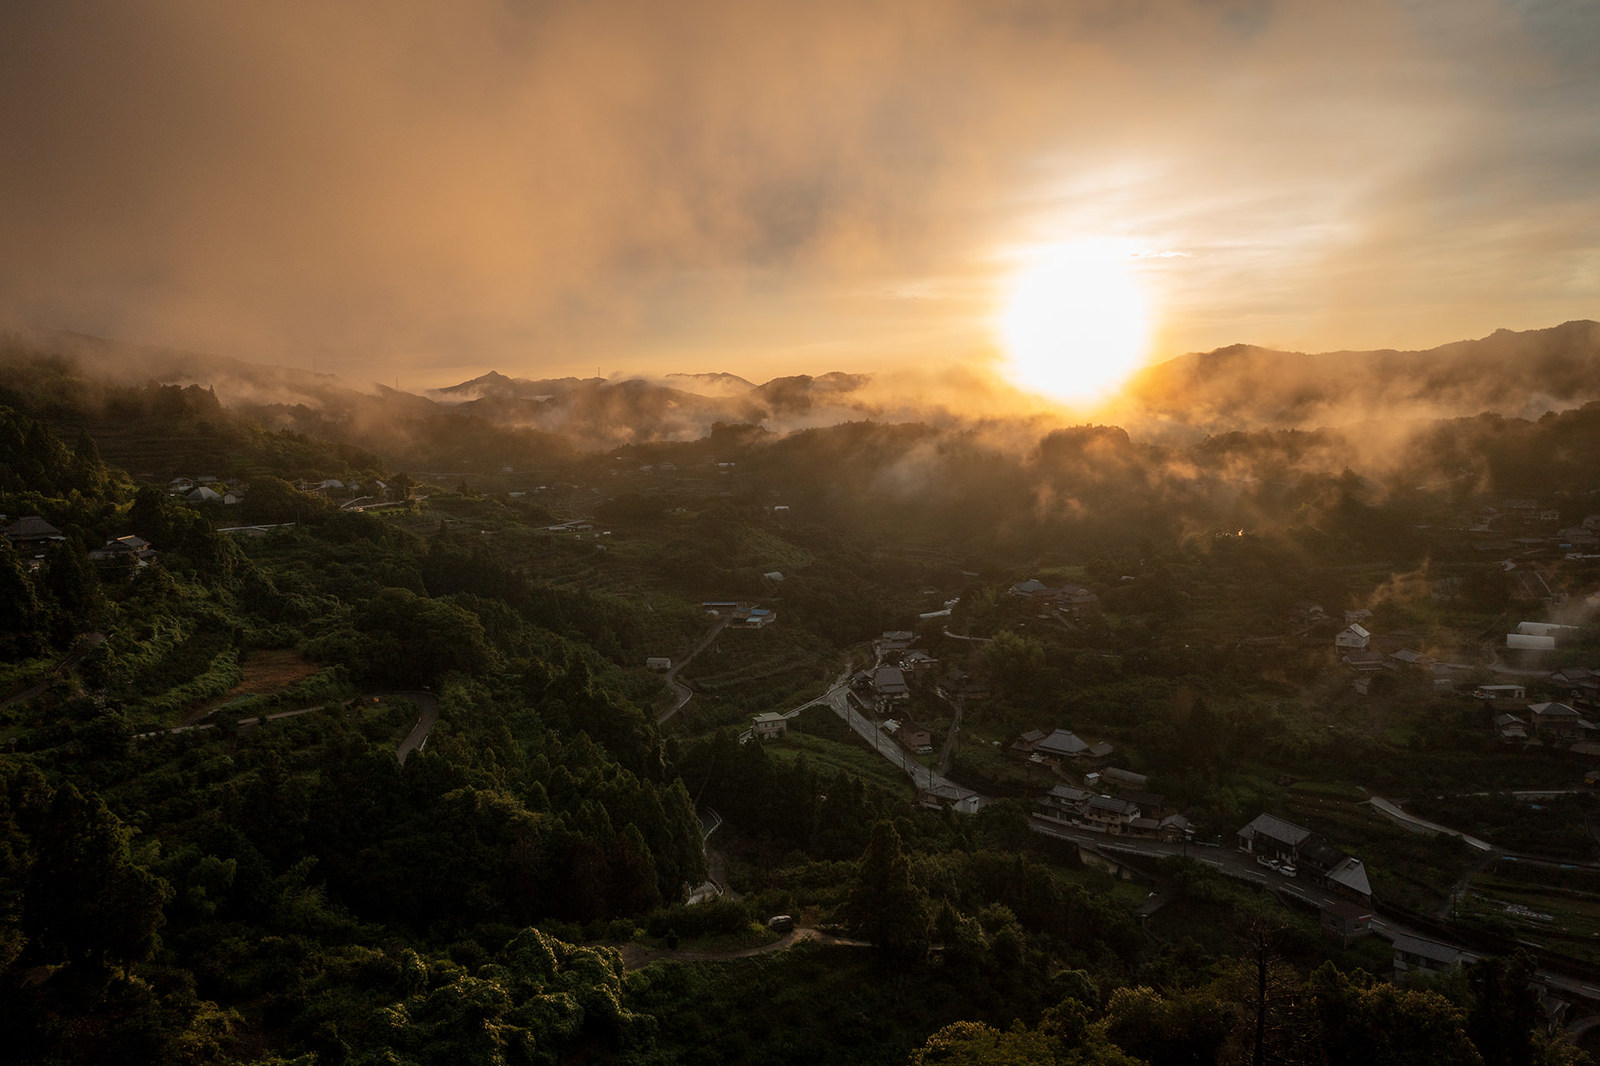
x=1071 y=598
x=1299 y=852
x=1352 y=636
x=1127 y=813
x=1059 y=747
x=31 y=535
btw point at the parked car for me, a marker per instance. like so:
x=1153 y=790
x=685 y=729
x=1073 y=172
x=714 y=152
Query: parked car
x=781 y=923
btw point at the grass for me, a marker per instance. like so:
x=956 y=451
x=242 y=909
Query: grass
x=1574 y=928
x=831 y=756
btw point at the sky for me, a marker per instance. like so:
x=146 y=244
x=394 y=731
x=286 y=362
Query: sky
x=422 y=191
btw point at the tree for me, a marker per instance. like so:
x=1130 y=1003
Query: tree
x=1504 y=1010
x=884 y=906
x=86 y=899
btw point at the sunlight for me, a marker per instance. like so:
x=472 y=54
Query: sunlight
x=1076 y=323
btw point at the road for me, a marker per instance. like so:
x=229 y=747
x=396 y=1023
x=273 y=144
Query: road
x=671 y=676
x=1422 y=825
x=1238 y=865
x=428 y=704
x=838 y=698
x=81 y=647
x=636 y=956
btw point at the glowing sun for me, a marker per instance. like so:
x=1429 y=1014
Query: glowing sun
x=1076 y=321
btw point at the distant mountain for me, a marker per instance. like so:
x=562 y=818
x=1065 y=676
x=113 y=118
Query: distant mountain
x=1243 y=387
x=601 y=412
x=1238 y=388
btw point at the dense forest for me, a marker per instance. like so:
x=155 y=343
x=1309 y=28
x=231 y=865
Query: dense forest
x=217 y=844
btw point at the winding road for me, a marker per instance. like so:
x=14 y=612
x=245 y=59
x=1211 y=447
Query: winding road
x=685 y=693
x=637 y=956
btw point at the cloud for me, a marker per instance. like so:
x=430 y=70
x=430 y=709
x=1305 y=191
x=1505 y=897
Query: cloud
x=757 y=186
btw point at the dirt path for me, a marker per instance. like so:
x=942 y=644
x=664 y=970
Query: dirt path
x=636 y=956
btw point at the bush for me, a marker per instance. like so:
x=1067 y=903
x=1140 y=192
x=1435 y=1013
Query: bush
x=715 y=917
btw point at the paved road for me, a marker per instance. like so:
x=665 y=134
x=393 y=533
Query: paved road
x=428 y=704
x=683 y=691
x=1422 y=825
x=922 y=776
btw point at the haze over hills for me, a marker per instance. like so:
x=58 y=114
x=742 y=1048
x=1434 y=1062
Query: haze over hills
x=1238 y=388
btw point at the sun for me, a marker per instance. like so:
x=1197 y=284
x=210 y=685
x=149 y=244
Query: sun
x=1076 y=322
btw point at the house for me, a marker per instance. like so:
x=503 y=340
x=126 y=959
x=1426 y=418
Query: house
x=1416 y=659
x=917 y=661
x=955 y=798
x=204 y=494
x=889 y=682
x=1510 y=727
x=1031 y=587
x=1075 y=597
x=31 y=533
x=1023 y=745
x=1346 y=920
x=1362 y=660
x=773 y=575
x=1174 y=828
x=1322 y=863
x=1272 y=838
x=130 y=547
x=755 y=618
x=1151 y=805
x=1107 y=815
x=1528 y=642
x=917 y=739
x=1581 y=682
x=1063 y=803
x=959 y=685
x=1428 y=956
x=179 y=485
x=658 y=662
x=769 y=725
x=1060 y=745
x=896 y=640
x=1357 y=616
x=1500 y=692
x=1352 y=636
x=1556 y=721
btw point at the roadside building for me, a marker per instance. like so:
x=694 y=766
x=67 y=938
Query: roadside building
x=1346 y=920
x=769 y=725
x=952 y=797
x=1428 y=956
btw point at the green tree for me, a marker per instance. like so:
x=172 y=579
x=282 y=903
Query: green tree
x=86 y=899
x=1504 y=1009
x=884 y=907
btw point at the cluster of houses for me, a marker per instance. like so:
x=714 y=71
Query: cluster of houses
x=206 y=488
x=1070 y=598
x=31 y=536
x=1299 y=852
x=1130 y=810
x=740 y=615
x=1547 y=723
x=1061 y=748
